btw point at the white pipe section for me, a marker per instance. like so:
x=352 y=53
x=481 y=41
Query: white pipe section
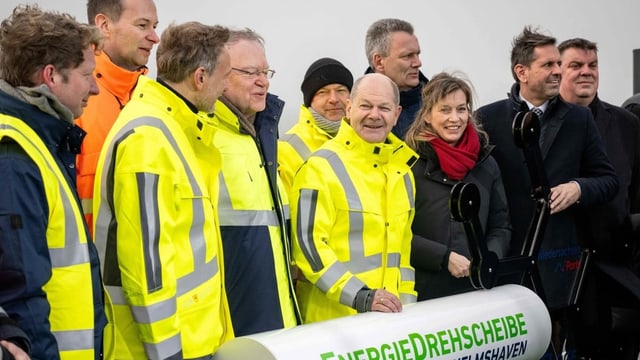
x=505 y=322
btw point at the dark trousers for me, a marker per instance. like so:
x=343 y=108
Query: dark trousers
x=605 y=324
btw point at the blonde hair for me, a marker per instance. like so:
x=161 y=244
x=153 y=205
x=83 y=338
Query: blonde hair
x=438 y=88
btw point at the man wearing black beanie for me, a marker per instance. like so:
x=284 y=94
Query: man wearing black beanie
x=325 y=89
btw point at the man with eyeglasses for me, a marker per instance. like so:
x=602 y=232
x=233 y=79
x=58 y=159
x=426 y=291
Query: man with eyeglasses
x=253 y=207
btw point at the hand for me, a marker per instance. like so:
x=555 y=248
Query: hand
x=385 y=301
x=14 y=350
x=563 y=196
x=458 y=265
x=297 y=274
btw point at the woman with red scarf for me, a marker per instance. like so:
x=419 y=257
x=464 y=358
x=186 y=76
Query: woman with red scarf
x=452 y=149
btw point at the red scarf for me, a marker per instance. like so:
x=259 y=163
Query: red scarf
x=457 y=160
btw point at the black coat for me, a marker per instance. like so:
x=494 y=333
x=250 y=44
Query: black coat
x=633 y=105
x=436 y=234
x=572 y=151
x=608 y=229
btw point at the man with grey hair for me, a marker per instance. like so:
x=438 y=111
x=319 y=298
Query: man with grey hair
x=155 y=207
x=253 y=205
x=352 y=206
x=393 y=50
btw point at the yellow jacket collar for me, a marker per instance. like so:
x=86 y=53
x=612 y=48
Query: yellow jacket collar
x=393 y=147
x=306 y=119
x=200 y=125
x=225 y=116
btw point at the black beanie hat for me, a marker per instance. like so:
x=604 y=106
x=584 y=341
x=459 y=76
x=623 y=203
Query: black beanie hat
x=323 y=72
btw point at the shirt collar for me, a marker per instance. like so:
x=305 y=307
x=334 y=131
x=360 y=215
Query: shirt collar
x=542 y=107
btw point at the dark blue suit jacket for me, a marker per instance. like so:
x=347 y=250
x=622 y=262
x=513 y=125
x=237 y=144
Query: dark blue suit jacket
x=572 y=151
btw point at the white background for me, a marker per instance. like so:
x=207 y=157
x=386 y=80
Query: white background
x=473 y=36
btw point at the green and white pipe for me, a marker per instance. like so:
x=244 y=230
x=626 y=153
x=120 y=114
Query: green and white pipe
x=505 y=322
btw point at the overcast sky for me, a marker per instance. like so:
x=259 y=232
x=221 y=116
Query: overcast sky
x=462 y=35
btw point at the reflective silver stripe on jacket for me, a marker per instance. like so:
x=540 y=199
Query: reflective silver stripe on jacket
x=202 y=270
x=73 y=253
x=408 y=274
x=407 y=185
x=74 y=339
x=286 y=211
x=407 y=298
x=298 y=145
x=150 y=228
x=358 y=262
x=307 y=204
x=230 y=217
x=171 y=348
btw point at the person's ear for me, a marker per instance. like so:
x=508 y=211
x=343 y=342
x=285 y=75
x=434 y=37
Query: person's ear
x=521 y=72
x=378 y=65
x=48 y=76
x=398 y=111
x=199 y=77
x=103 y=23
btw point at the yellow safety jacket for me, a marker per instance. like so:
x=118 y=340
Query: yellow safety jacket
x=297 y=144
x=254 y=223
x=157 y=231
x=69 y=290
x=352 y=209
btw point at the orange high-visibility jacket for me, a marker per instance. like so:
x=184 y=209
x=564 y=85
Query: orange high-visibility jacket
x=116 y=85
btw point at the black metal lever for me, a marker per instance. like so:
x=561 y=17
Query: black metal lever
x=464 y=204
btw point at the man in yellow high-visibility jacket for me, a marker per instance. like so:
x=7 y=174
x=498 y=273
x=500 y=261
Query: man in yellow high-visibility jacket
x=253 y=207
x=352 y=205
x=325 y=89
x=155 y=207
x=49 y=268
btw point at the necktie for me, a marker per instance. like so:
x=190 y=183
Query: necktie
x=539 y=112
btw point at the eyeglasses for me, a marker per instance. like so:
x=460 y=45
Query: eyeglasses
x=267 y=73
